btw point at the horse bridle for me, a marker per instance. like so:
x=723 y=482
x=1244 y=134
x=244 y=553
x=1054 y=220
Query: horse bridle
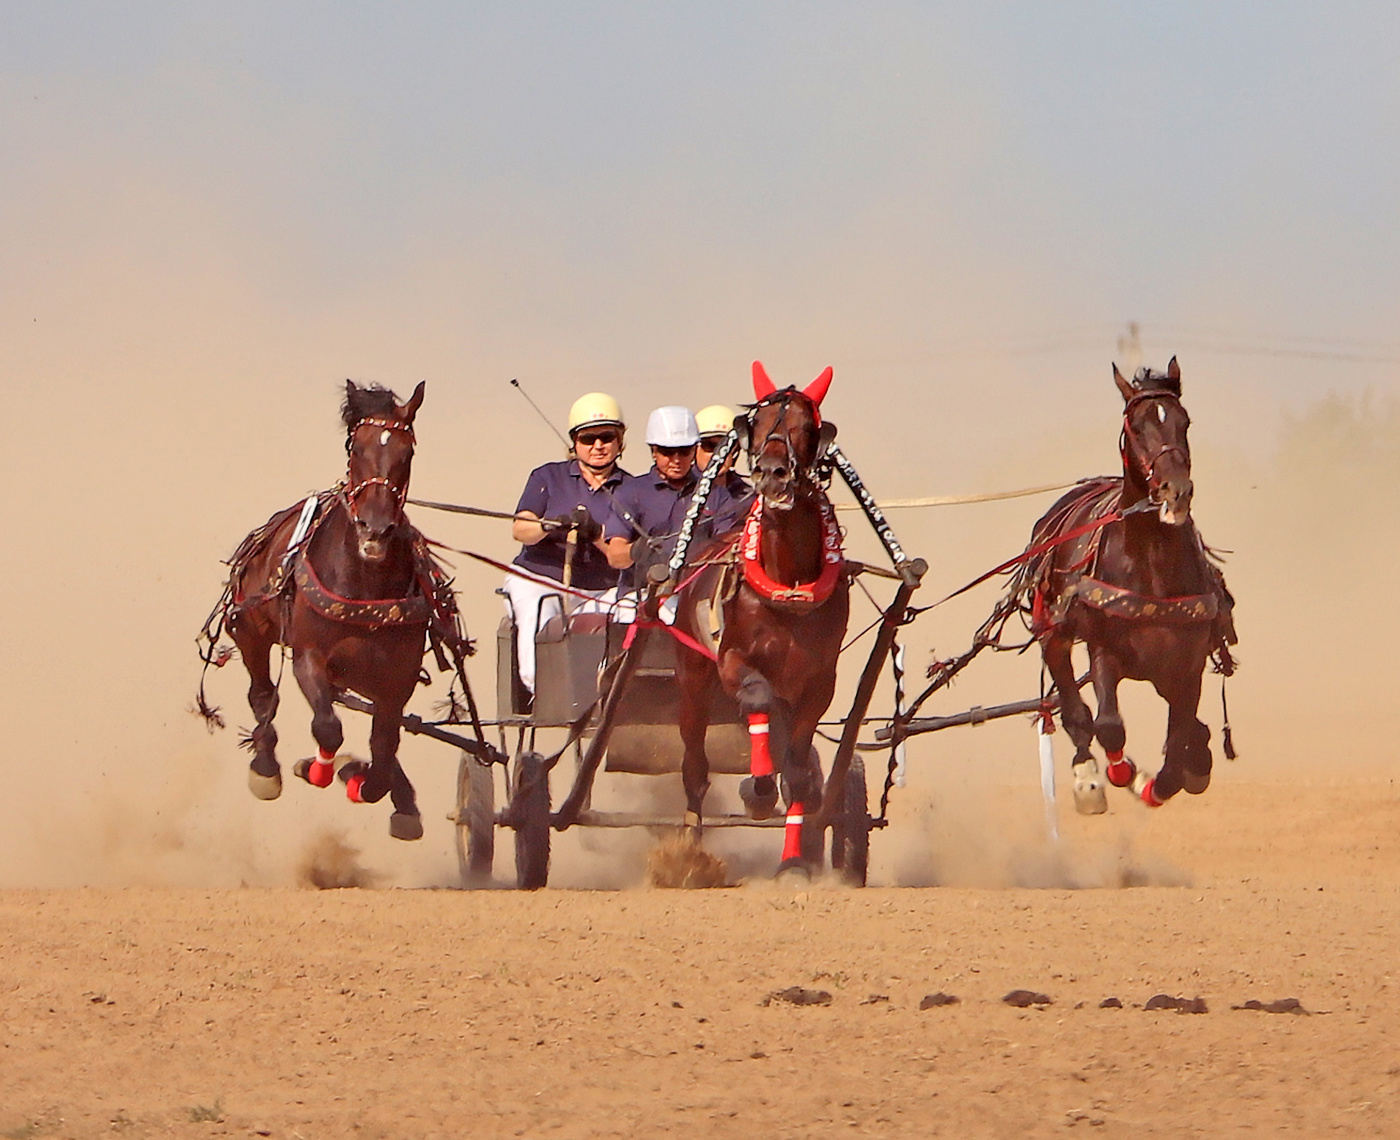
x=807 y=474
x=1130 y=437
x=353 y=493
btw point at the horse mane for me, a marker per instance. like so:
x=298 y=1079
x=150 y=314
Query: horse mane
x=1146 y=380
x=360 y=403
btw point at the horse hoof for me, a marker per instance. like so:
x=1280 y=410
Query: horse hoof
x=404 y=826
x=318 y=773
x=265 y=787
x=760 y=800
x=792 y=869
x=1146 y=789
x=1194 y=783
x=1121 y=772
x=1089 y=797
x=353 y=789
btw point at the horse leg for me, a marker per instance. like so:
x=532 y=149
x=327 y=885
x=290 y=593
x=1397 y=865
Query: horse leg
x=1108 y=724
x=802 y=845
x=759 y=790
x=405 y=822
x=309 y=668
x=695 y=766
x=1188 y=761
x=1089 y=798
x=264 y=773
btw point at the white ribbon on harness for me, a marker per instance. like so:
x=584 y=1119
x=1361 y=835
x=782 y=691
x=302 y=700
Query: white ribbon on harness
x=308 y=512
x=1047 y=776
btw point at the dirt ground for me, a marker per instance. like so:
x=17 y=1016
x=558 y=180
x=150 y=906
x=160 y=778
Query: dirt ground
x=407 y=1013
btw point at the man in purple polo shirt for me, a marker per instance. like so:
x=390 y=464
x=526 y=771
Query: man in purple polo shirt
x=573 y=496
x=656 y=503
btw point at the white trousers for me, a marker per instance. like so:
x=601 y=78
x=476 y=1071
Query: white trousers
x=531 y=603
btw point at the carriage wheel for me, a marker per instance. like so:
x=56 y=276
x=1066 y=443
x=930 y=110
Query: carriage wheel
x=532 y=822
x=850 y=830
x=476 y=821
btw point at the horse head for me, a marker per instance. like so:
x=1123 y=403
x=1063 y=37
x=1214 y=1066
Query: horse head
x=785 y=437
x=379 y=443
x=1156 y=454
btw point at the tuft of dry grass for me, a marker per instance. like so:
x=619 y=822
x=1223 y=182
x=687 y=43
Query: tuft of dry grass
x=679 y=862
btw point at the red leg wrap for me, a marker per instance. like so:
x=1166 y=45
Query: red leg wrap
x=760 y=758
x=1149 y=794
x=352 y=788
x=321 y=771
x=1120 y=772
x=792 y=834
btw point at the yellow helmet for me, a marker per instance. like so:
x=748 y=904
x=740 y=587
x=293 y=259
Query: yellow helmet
x=595 y=408
x=714 y=420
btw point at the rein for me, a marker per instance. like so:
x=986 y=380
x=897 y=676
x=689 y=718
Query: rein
x=1048 y=544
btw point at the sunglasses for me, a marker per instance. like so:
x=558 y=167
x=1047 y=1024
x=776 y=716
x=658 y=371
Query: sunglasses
x=672 y=452
x=712 y=442
x=589 y=438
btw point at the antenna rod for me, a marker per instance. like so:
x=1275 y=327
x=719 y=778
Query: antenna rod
x=547 y=421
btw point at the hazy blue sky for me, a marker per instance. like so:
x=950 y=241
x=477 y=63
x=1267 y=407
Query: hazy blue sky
x=643 y=182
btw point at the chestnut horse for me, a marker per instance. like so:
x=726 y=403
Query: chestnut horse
x=784 y=601
x=346 y=583
x=1140 y=592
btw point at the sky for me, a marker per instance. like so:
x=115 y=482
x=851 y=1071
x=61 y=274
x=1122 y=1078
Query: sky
x=212 y=214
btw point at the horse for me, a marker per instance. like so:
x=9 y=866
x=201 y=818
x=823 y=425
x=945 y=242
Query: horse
x=1129 y=576
x=347 y=584
x=784 y=601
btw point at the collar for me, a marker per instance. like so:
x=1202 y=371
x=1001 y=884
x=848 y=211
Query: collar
x=691 y=479
x=617 y=475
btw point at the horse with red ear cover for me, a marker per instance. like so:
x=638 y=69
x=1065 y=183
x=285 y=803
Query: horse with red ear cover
x=784 y=619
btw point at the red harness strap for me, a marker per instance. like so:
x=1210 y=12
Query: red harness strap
x=804 y=593
x=679 y=634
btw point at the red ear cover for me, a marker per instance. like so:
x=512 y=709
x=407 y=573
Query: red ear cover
x=816 y=390
x=762 y=386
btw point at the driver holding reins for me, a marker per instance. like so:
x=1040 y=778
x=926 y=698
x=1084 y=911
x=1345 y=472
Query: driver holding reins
x=571 y=497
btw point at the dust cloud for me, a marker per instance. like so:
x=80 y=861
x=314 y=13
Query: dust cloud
x=162 y=422
x=328 y=862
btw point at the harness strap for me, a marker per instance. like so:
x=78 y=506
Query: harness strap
x=679 y=634
x=374 y=613
x=1117 y=601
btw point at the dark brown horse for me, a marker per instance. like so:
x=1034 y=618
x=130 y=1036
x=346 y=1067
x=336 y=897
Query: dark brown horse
x=1140 y=592
x=784 y=600
x=346 y=583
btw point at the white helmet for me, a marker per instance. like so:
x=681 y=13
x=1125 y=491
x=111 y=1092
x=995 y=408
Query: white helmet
x=714 y=420
x=672 y=426
x=593 y=409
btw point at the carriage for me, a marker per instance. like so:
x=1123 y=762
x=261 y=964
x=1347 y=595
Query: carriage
x=618 y=714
